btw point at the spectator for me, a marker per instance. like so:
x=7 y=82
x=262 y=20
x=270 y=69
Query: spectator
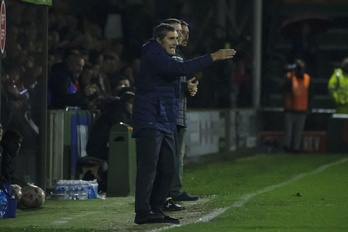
x=338 y=87
x=121 y=82
x=16 y=109
x=85 y=82
x=296 y=105
x=63 y=84
x=118 y=110
x=98 y=76
x=111 y=67
x=11 y=143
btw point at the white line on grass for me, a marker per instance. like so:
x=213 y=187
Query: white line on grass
x=245 y=198
x=66 y=220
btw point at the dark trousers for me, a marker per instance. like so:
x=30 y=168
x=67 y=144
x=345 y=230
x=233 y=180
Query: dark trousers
x=176 y=185
x=294 y=126
x=155 y=168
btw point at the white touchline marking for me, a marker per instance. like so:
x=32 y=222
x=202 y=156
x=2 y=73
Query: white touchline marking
x=245 y=198
x=65 y=220
x=60 y=222
x=212 y=215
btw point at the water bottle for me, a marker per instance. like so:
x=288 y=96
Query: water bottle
x=3 y=203
x=92 y=189
x=61 y=190
x=83 y=190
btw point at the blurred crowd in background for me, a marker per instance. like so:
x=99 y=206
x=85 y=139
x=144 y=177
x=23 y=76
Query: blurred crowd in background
x=108 y=34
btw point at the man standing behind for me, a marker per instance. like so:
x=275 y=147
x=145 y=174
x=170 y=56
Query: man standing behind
x=189 y=87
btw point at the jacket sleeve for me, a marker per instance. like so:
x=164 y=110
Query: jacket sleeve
x=61 y=91
x=164 y=65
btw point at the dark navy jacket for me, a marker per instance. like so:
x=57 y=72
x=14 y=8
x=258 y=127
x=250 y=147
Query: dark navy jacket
x=157 y=93
x=61 y=91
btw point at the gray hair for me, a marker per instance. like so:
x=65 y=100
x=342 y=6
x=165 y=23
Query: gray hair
x=162 y=30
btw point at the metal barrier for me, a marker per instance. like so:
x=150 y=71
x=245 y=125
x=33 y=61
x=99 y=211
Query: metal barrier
x=220 y=132
x=67 y=138
x=337 y=133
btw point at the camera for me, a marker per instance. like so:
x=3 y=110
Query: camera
x=290 y=67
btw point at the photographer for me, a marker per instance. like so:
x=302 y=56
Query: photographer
x=296 y=104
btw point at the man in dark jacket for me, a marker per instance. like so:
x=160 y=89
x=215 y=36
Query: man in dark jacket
x=189 y=87
x=155 y=113
x=118 y=110
x=63 y=84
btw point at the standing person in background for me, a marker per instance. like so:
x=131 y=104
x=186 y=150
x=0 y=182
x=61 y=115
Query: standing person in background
x=170 y=205
x=338 y=87
x=116 y=111
x=296 y=105
x=176 y=192
x=155 y=113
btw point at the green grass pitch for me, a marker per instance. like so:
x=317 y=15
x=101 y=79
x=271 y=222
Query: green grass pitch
x=273 y=192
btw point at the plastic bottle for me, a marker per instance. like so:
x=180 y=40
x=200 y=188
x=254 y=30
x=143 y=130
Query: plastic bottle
x=3 y=203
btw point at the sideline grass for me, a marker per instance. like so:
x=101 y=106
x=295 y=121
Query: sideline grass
x=316 y=202
x=322 y=205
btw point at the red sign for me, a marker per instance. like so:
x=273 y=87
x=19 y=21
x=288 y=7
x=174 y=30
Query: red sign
x=2 y=26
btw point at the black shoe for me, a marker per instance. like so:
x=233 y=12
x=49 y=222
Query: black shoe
x=185 y=197
x=166 y=219
x=170 y=205
x=143 y=218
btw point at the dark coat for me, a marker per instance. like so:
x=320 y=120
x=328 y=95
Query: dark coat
x=157 y=93
x=61 y=90
x=184 y=93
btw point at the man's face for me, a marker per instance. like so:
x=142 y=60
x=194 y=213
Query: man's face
x=169 y=42
x=178 y=29
x=76 y=66
x=121 y=84
x=185 y=35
